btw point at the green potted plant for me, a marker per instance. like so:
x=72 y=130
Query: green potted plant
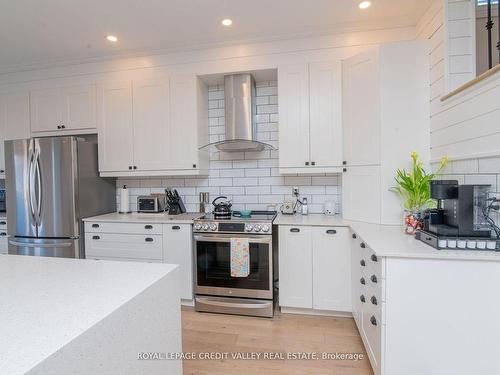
x=414 y=188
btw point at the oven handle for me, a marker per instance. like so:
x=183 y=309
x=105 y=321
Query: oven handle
x=228 y=239
x=234 y=304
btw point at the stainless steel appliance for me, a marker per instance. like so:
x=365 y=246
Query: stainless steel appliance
x=53 y=183
x=151 y=203
x=215 y=289
x=240 y=109
x=3 y=204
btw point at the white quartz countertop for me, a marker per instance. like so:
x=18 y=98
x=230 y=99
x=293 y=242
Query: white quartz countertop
x=47 y=302
x=153 y=218
x=387 y=240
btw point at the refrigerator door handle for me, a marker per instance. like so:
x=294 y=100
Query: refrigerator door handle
x=31 y=184
x=39 y=190
x=41 y=245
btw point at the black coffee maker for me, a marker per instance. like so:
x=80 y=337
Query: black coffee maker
x=459 y=210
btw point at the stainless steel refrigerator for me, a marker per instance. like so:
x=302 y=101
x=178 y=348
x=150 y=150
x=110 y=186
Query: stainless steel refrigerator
x=52 y=183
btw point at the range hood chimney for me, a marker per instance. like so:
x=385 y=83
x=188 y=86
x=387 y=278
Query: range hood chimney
x=240 y=110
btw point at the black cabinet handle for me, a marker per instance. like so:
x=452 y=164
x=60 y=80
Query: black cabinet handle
x=148 y=226
x=354 y=236
x=344 y=162
x=313 y=163
x=2 y=171
x=362 y=262
x=149 y=239
x=362 y=244
x=3 y=222
x=96 y=238
x=362 y=298
x=58 y=126
x=135 y=166
x=176 y=227
x=331 y=231
x=373 y=320
x=95 y=225
x=362 y=281
x=373 y=278
x=129 y=167
x=374 y=258
x=374 y=300
x=307 y=163
x=194 y=165
x=295 y=230
x=3 y=234
x=344 y=170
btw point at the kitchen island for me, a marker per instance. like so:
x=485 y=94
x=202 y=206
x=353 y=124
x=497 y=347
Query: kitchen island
x=80 y=317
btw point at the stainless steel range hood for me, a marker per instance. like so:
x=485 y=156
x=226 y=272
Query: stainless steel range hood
x=240 y=110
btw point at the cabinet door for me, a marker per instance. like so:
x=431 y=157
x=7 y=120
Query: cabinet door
x=361 y=109
x=46 y=112
x=79 y=107
x=177 y=249
x=151 y=124
x=295 y=267
x=114 y=124
x=293 y=94
x=325 y=93
x=357 y=267
x=331 y=268
x=14 y=120
x=183 y=141
x=361 y=195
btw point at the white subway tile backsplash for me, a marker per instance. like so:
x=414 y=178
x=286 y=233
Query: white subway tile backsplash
x=250 y=179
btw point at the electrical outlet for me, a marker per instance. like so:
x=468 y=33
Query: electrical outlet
x=295 y=191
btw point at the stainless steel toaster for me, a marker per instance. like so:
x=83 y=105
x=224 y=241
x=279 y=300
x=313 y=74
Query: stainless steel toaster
x=151 y=203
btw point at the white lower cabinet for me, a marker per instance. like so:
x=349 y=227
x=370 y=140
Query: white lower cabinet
x=314 y=268
x=143 y=242
x=4 y=242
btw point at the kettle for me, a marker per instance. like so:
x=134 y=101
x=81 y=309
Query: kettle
x=222 y=208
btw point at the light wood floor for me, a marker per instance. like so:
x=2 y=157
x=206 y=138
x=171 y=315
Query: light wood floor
x=204 y=332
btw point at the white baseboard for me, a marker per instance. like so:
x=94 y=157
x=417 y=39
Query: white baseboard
x=302 y=311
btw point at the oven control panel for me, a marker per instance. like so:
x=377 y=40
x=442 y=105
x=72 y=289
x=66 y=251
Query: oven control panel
x=232 y=227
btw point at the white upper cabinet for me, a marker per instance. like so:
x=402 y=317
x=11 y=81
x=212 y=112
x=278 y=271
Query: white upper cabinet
x=361 y=109
x=153 y=126
x=310 y=118
x=152 y=129
x=14 y=120
x=385 y=118
x=293 y=96
x=63 y=108
x=115 y=126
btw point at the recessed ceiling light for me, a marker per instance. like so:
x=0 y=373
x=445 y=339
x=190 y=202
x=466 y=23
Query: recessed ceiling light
x=364 y=4
x=112 y=38
x=227 y=22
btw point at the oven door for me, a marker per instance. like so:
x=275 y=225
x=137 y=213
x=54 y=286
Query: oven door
x=213 y=267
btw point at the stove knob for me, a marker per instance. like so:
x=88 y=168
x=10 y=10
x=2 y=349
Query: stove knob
x=197 y=226
x=206 y=227
x=248 y=228
x=265 y=228
x=213 y=227
x=256 y=228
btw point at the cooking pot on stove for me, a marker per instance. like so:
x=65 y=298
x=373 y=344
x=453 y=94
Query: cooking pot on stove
x=222 y=208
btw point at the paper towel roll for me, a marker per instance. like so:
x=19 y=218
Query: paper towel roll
x=124 y=200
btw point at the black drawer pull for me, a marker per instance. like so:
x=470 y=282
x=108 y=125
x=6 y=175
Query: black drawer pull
x=175 y=227
x=362 y=244
x=3 y=234
x=362 y=298
x=295 y=230
x=373 y=320
x=362 y=281
x=374 y=300
x=3 y=222
x=149 y=239
x=95 y=225
x=373 y=279
x=354 y=236
x=148 y=227
x=96 y=237
x=374 y=258
x=331 y=231
x=362 y=262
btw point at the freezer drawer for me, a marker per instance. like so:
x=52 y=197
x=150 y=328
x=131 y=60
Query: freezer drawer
x=62 y=248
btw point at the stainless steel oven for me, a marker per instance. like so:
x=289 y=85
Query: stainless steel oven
x=216 y=290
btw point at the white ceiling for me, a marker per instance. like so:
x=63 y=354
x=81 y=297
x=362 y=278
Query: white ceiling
x=34 y=32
